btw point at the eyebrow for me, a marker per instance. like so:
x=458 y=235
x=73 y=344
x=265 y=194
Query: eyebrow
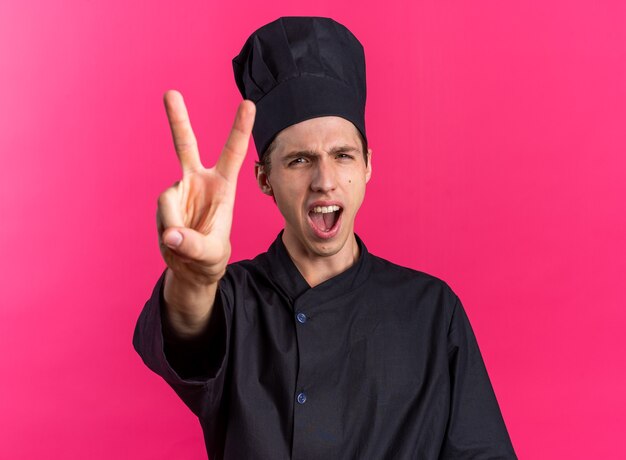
x=312 y=153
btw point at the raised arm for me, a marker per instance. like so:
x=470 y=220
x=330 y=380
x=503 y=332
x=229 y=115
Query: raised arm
x=194 y=218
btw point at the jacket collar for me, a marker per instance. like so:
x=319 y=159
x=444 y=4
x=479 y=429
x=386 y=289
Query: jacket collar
x=289 y=280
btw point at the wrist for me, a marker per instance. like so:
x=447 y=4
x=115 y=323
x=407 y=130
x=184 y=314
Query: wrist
x=188 y=297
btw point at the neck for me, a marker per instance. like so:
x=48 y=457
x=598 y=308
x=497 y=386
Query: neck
x=316 y=268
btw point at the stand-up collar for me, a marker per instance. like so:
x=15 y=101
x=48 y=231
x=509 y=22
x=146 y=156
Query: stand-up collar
x=288 y=278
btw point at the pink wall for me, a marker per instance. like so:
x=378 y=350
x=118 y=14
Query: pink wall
x=499 y=136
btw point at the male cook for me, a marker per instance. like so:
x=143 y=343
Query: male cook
x=316 y=349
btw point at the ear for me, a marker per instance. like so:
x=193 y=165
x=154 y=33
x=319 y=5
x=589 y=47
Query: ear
x=263 y=180
x=368 y=172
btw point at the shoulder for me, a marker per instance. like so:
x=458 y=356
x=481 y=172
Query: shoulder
x=259 y=265
x=391 y=272
x=411 y=283
x=246 y=271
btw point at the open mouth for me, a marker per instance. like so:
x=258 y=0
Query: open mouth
x=325 y=220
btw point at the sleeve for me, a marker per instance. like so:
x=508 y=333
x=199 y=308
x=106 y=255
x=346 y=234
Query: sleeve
x=475 y=429
x=195 y=369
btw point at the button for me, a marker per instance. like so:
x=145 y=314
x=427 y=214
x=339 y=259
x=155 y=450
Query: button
x=301 y=317
x=301 y=398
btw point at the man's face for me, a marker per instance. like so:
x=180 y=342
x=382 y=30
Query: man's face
x=317 y=177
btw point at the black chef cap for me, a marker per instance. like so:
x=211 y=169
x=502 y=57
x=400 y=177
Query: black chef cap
x=297 y=68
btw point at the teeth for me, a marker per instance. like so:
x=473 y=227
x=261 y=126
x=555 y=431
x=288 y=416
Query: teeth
x=326 y=209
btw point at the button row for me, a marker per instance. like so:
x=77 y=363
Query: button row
x=301 y=398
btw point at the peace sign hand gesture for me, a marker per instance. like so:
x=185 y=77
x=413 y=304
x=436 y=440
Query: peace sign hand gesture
x=194 y=216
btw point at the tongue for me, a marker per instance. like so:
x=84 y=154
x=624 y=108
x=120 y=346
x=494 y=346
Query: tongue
x=324 y=221
x=329 y=220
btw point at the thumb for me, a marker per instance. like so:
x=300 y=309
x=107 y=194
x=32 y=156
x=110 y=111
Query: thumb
x=173 y=239
x=185 y=242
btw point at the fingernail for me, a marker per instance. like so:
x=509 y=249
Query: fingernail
x=174 y=239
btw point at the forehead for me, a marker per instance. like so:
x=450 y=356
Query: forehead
x=317 y=134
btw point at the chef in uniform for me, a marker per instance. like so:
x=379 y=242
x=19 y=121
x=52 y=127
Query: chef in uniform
x=315 y=349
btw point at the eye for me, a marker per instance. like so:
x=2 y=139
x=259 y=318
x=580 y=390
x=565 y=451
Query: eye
x=344 y=156
x=298 y=161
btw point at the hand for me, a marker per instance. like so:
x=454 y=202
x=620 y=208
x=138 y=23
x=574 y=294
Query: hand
x=195 y=215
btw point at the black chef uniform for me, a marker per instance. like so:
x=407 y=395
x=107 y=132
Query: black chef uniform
x=378 y=362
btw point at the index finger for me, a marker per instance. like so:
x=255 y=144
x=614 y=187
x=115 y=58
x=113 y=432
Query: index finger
x=234 y=151
x=184 y=139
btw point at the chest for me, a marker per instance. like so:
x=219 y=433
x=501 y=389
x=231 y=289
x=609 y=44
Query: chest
x=362 y=372
x=388 y=339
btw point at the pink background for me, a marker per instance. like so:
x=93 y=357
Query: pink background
x=498 y=131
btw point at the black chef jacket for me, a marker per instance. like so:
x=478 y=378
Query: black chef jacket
x=378 y=362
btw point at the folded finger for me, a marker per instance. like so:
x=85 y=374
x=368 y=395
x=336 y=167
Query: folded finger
x=169 y=212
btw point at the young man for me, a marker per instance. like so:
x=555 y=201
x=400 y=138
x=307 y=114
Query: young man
x=316 y=348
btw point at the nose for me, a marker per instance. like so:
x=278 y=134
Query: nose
x=324 y=176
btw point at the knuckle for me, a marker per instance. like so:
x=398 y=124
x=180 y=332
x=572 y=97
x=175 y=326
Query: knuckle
x=168 y=194
x=162 y=200
x=234 y=152
x=186 y=145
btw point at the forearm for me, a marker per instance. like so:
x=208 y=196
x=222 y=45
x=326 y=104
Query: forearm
x=188 y=306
